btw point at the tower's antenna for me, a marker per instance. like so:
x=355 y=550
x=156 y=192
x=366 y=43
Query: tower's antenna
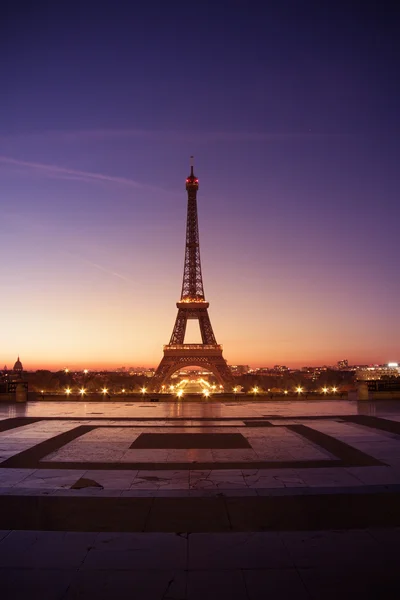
x=191 y=164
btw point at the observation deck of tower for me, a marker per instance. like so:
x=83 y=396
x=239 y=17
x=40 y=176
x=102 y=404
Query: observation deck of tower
x=192 y=305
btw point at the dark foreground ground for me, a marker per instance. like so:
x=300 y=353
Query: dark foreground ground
x=200 y=500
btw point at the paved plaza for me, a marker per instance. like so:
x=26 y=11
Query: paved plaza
x=188 y=500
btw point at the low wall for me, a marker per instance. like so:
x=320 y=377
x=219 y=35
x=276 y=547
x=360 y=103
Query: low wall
x=7 y=397
x=218 y=397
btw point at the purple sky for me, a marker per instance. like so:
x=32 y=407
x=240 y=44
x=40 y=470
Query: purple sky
x=292 y=114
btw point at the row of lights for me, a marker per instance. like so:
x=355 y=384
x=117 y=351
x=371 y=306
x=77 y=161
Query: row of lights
x=299 y=390
x=206 y=392
x=83 y=391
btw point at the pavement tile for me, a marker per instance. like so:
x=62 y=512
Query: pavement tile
x=324 y=548
x=214 y=585
x=36 y=584
x=237 y=551
x=128 y=585
x=9 y=477
x=4 y=533
x=375 y=475
x=137 y=551
x=112 y=479
x=275 y=583
x=45 y=550
x=330 y=582
x=49 y=478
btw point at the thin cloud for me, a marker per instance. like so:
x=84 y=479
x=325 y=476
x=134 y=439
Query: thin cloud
x=108 y=271
x=100 y=267
x=74 y=174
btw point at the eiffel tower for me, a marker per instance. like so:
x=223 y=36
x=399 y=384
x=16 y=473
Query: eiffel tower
x=192 y=305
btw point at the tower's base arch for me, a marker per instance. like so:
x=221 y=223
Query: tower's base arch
x=177 y=357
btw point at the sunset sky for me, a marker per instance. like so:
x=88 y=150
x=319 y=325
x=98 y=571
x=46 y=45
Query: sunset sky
x=292 y=114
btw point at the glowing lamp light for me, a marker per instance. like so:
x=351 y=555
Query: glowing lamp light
x=171 y=387
x=235 y=389
x=42 y=391
x=206 y=393
x=104 y=391
x=82 y=391
x=143 y=390
x=86 y=371
x=255 y=390
x=66 y=370
x=325 y=390
x=123 y=390
x=68 y=391
x=299 y=389
x=334 y=390
x=179 y=393
x=285 y=392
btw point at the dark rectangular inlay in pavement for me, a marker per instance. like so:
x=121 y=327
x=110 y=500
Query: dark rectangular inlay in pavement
x=176 y=441
x=375 y=422
x=349 y=456
x=30 y=458
x=13 y=422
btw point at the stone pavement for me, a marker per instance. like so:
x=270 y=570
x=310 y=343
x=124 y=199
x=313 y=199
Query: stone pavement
x=199 y=500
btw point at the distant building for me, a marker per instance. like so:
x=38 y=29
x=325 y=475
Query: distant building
x=343 y=364
x=10 y=379
x=15 y=374
x=239 y=369
x=18 y=369
x=376 y=372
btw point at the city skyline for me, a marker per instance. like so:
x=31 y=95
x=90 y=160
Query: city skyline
x=291 y=115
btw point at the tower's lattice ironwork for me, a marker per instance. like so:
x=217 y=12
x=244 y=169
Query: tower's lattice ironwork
x=192 y=305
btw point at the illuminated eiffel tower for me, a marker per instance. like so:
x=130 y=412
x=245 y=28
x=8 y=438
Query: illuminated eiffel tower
x=192 y=305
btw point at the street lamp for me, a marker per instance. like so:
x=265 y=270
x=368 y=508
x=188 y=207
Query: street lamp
x=325 y=390
x=299 y=389
x=206 y=393
x=179 y=393
x=86 y=371
x=68 y=391
x=334 y=390
x=82 y=392
x=285 y=392
x=66 y=370
x=143 y=390
x=255 y=390
x=104 y=391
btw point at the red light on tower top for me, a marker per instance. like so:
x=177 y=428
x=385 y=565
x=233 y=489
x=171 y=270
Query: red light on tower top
x=192 y=182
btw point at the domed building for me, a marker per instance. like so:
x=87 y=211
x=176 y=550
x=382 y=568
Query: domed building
x=18 y=368
x=16 y=374
x=12 y=380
